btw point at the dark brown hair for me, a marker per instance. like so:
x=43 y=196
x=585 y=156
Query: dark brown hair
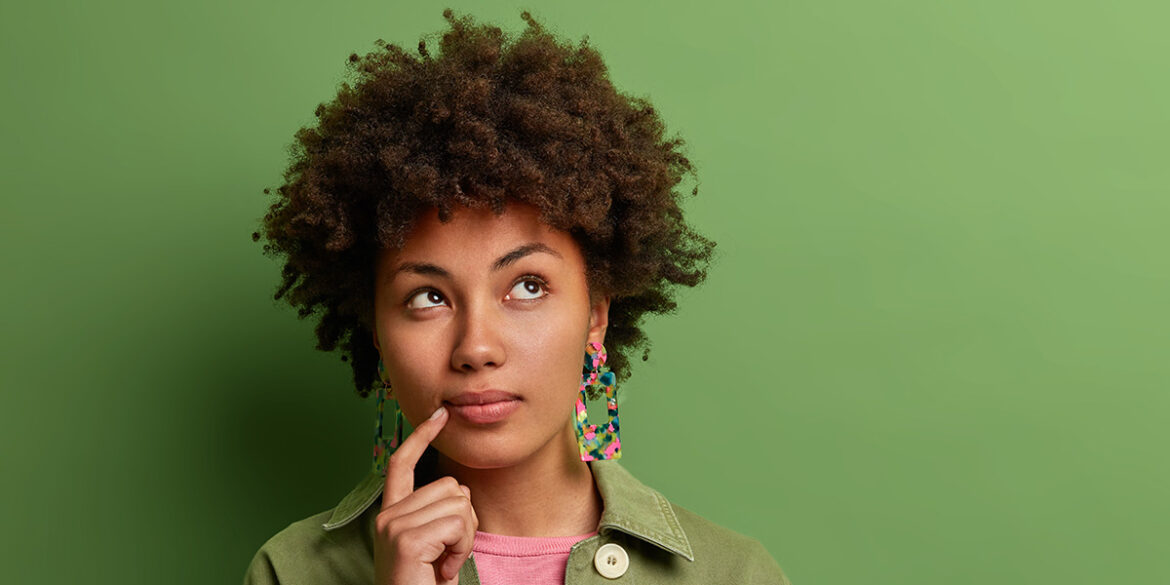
x=489 y=119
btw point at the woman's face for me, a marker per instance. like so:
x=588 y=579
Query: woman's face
x=488 y=316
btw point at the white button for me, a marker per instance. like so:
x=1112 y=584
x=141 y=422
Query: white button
x=611 y=561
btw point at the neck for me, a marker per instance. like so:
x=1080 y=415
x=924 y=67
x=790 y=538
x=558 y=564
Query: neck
x=548 y=494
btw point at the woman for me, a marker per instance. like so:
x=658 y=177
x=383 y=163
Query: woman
x=480 y=233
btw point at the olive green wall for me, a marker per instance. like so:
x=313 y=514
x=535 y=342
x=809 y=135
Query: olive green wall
x=933 y=349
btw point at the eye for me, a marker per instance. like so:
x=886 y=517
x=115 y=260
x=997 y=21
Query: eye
x=527 y=289
x=425 y=299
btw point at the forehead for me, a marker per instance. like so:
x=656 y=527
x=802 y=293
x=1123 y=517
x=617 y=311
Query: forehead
x=478 y=237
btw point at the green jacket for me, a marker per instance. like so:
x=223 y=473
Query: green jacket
x=659 y=543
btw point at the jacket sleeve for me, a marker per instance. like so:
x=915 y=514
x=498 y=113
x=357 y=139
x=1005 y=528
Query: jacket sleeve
x=261 y=571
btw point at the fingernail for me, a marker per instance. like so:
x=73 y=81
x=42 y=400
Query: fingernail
x=438 y=412
x=466 y=490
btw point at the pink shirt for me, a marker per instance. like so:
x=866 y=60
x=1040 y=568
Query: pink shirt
x=503 y=560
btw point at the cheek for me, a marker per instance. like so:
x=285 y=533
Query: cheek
x=552 y=351
x=413 y=360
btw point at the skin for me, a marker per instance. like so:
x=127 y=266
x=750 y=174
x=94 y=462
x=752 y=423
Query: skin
x=483 y=302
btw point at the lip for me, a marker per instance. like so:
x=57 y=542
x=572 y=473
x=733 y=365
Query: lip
x=482 y=408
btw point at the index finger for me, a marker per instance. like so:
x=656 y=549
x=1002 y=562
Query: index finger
x=400 y=468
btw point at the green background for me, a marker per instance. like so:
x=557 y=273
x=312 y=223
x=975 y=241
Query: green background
x=933 y=348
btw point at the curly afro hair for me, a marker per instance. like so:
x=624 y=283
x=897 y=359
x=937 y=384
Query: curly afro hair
x=490 y=119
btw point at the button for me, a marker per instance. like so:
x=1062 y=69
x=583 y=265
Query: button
x=611 y=561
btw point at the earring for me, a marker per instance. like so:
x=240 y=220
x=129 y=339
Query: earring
x=598 y=442
x=382 y=447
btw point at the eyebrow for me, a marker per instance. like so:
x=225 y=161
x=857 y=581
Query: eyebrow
x=428 y=269
x=525 y=250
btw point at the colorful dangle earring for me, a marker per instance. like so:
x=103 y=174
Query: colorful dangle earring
x=598 y=441
x=383 y=447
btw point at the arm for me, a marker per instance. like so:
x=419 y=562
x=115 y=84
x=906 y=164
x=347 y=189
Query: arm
x=261 y=571
x=762 y=568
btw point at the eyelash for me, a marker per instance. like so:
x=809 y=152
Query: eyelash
x=418 y=291
x=527 y=277
x=532 y=278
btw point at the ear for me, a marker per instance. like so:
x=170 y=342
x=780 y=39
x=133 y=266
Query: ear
x=377 y=346
x=598 y=319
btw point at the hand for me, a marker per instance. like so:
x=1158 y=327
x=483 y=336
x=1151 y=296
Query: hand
x=422 y=537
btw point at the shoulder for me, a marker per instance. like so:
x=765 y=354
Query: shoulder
x=722 y=551
x=335 y=546
x=305 y=552
x=678 y=544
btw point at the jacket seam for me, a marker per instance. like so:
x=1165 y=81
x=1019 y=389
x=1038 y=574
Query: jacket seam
x=675 y=527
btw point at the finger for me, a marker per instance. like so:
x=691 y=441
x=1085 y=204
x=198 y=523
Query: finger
x=450 y=535
x=449 y=567
x=439 y=578
x=467 y=491
x=457 y=506
x=444 y=487
x=438 y=568
x=400 y=468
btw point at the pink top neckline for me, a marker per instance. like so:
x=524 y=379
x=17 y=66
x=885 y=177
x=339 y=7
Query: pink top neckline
x=524 y=546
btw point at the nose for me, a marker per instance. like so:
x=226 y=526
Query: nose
x=478 y=343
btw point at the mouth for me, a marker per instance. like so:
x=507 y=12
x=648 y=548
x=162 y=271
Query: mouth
x=483 y=408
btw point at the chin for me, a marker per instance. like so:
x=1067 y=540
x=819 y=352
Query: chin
x=479 y=456
x=478 y=450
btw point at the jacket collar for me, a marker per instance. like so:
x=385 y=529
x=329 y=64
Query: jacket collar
x=629 y=506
